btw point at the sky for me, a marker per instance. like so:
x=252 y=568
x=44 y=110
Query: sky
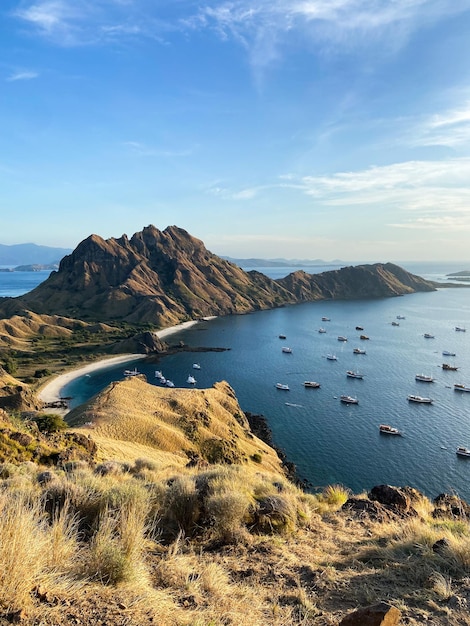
x=333 y=129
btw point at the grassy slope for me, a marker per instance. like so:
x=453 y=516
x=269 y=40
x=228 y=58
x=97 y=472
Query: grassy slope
x=141 y=538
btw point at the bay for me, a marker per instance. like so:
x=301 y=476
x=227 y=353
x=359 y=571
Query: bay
x=328 y=441
x=331 y=442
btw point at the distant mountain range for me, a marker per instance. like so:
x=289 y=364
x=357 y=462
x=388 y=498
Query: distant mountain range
x=31 y=254
x=284 y=262
x=165 y=277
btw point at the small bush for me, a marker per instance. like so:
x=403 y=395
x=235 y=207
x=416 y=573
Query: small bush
x=50 y=422
x=256 y=457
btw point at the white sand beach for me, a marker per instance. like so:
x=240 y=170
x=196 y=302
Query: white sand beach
x=51 y=392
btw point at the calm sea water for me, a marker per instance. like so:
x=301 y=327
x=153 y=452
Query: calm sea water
x=328 y=441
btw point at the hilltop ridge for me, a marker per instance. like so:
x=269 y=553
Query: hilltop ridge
x=165 y=277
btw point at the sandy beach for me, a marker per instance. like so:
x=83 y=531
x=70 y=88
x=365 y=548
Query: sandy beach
x=51 y=392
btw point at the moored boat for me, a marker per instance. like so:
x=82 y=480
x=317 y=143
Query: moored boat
x=428 y=336
x=363 y=337
x=191 y=380
x=311 y=384
x=352 y=374
x=342 y=338
x=322 y=330
x=282 y=337
x=447 y=353
x=169 y=383
x=286 y=350
x=282 y=386
x=196 y=366
x=133 y=372
x=400 y=317
x=331 y=357
x=349 y=400
x=461 y=387
x=419 y=399
x=460 y=329
x=424 y=378
x=359 y=328
x=358 y=351
x=325 y=319
x=388 y=430
x=461 y=451
x=158 y=374
x=395 y=324
x=450 y=368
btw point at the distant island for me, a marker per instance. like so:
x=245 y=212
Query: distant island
x=256 y=262
x=464 y=275
x=35 y=267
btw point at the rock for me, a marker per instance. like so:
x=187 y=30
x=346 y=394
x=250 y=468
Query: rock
x=381 y=614
x=365 y=508
x=449 y=505
x=392 y=497
x=441 y=546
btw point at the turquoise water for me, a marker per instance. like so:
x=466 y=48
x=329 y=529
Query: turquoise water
x=328 y=441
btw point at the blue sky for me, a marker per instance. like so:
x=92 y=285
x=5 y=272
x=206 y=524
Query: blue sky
x=269 y=128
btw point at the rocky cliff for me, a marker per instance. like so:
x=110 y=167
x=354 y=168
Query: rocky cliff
x=165 y=277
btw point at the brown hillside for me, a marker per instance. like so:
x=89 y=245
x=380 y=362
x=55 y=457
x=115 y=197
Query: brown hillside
x=136 y=419
x=165 y=277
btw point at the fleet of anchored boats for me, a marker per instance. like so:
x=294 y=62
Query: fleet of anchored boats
x=385 y=429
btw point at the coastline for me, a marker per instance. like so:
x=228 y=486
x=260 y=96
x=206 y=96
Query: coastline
x=51 y=392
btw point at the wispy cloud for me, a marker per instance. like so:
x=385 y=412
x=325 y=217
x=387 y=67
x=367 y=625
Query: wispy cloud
x=25 y=75
x=334 y=25
x=431 y=194
x=450 y=128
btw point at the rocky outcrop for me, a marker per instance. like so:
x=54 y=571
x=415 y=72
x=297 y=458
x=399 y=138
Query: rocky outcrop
x=381 y=614
x=165 y=277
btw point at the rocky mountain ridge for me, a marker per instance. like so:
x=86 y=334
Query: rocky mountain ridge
x=165 y=277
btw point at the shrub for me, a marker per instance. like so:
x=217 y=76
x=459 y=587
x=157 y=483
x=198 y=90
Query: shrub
x=50 y=422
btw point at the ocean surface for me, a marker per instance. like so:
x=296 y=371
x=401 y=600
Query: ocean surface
x=331 y=442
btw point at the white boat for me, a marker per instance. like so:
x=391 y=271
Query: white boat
x=191 y=380
x=358 y=351
x=282 y=386
x=428 y=336
x=460 y=387
x=342 y=338
x=363 y=337
x=419 y=399
x=400 y=317
x=196 y=366
x=349 y=400
x=460 y=329
x=424 y=378
x=325 y=319
x=461 y=451
x=389 y=430
x=351 y=374
x=311 y=384
x=158 y=374
x=447 y=353
x=322 y=330
x=133 y=372
x=169 y=383
x=331 y=357
x=286 y=350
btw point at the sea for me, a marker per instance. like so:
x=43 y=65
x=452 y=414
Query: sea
x=331 y=442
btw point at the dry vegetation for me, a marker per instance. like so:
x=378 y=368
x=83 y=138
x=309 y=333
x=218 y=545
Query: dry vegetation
x=168 y=537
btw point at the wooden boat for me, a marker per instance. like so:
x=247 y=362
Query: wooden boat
x=388 y=430
x=449 y=368
x=460 y=387
x=349 y=400
x=311 y=384
x=424 y=378
x=419 y=399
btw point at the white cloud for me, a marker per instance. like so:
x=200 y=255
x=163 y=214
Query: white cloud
x=25 y=75
x=428 y=194
x=450 y=128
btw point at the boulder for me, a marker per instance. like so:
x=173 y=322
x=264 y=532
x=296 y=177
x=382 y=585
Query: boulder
x=392 y=497
x=381 y=614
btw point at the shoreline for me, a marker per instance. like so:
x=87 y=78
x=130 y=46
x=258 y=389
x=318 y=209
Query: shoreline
x=51 y=392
